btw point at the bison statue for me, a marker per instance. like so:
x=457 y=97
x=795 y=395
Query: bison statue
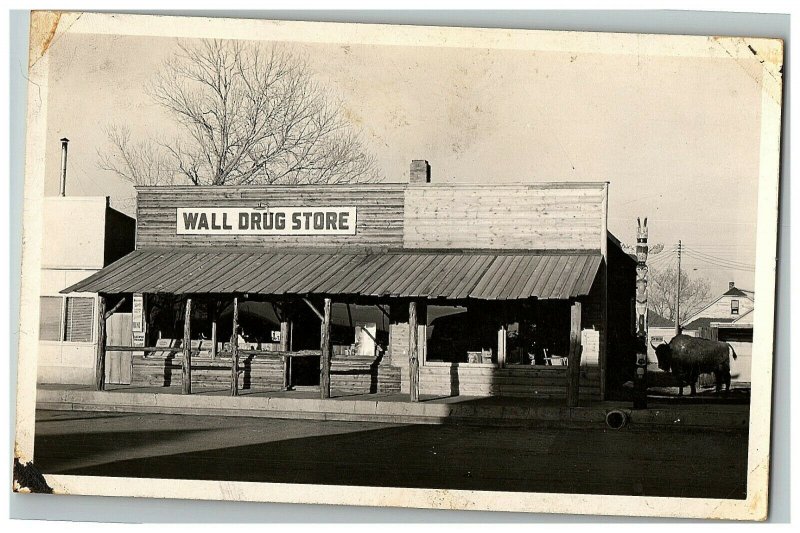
x=687 y=357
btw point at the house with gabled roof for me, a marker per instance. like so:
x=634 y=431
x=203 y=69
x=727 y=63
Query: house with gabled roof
x=727 y=308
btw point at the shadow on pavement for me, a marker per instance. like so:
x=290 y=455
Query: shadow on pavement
x=677 y=463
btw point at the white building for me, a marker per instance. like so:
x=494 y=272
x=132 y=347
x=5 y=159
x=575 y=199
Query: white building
x=730 y=306
x=81 y=235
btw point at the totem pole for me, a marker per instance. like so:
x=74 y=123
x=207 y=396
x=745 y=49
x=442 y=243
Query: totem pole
x=640 y=377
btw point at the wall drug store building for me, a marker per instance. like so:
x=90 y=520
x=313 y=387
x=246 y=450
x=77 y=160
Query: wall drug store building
x=425 y=288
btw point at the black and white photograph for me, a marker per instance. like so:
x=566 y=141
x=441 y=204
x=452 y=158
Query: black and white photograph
x=395 y=265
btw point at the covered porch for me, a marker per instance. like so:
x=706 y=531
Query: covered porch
x=420 y=324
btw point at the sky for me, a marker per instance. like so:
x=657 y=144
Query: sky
x=677 y=138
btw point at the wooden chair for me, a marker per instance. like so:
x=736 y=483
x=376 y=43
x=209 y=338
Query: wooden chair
x=555 y=360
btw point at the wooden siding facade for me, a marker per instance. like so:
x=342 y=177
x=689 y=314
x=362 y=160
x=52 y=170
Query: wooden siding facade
x=256 y=373
x=456 y=379
x=561 y=216
x=529 y=217
x=379 y=222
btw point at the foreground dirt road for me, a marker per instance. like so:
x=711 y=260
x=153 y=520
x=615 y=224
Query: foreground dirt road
x=673 y=462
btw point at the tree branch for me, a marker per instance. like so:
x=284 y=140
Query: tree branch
x=248 y=114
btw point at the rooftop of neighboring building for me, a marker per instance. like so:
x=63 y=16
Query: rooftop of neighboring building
x=705 y=322
x=656 y=320
x=735 y=291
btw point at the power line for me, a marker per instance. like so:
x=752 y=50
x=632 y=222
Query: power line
x=717 y=260
x=710 y=256
x=716 y=268
x=662 y=259
x=661 y=265
x=662 y=253
x=725 y=254
x=722 y=250
x=662 y=256
x=665 y=258
x=84 y=175
x=722 y=265
x=723 y=247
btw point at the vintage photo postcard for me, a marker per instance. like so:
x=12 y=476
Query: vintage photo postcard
x=429 y=267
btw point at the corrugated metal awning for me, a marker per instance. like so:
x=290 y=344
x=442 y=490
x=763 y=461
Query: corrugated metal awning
x=449 y=275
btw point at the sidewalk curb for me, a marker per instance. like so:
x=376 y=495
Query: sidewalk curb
x=389 y=411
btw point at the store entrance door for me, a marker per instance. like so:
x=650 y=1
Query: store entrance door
x=119 y=364
x=305 y=337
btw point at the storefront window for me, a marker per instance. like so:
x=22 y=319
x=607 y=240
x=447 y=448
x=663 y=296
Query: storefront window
x=461 y=334
x=359 y=330
x=79 y=319
x=50 y=317
x=69 y=319
x=537 y=332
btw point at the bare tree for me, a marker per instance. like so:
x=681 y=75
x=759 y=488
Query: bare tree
x=248 y=115
x=661 y=287
x=142 y=163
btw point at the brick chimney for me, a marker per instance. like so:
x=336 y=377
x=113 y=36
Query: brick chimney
x=420 y=171
x=730 y=285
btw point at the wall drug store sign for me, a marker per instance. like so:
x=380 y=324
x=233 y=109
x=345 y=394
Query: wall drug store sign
x=266 y=221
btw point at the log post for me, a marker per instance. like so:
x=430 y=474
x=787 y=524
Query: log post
x=115 y=308
x=235 y=349
x=314 y=309
x=325 y=348
x=100 y=352
x=502 y=342
x=286 y=347
x=603 y=337
x=213 y=330
x=574 y=358
x=291 y=347
x=186 y=368
x=413 y=352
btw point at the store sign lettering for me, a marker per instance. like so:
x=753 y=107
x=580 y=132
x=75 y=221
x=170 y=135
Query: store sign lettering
x=266 y=221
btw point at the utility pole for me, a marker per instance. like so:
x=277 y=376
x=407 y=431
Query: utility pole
x=678 y=295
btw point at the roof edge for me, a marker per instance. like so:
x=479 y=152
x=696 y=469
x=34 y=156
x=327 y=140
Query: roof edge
x=365 y=250
x=388 y=185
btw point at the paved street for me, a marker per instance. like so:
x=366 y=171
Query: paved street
x=672 y=462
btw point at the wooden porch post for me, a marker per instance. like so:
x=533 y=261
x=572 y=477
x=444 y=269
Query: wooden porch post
x=186 y=368
x=604 y=295
x=502 y=334
x=214 y=329
x=286 y=346
x=413 y=352
x=235 y=349
x=325 y=348
x=575 y=348
x=100 y=352
x=502 y=342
